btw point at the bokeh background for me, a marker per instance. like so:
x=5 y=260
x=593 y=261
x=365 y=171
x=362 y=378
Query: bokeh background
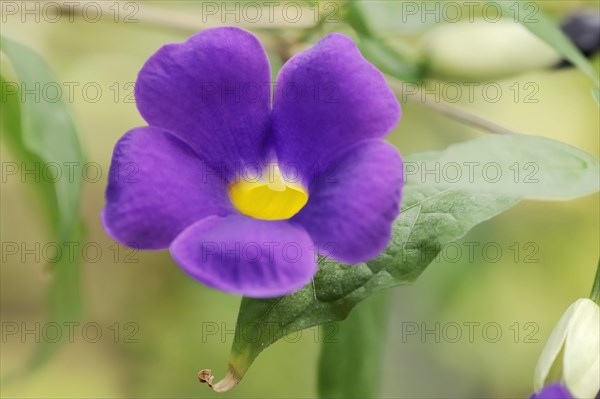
x=170 y=312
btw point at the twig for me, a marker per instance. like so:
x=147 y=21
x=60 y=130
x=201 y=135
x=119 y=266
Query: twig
x=451 y=111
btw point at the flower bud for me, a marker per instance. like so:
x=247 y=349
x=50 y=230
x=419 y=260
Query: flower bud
x=583 y=28
x=483 y=50
x=572 y=352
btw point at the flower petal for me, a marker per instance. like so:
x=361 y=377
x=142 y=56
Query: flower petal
x=251 y=257
x=212 y=91
x=328 y=98
x=552 y=349
x=553 y=391
x=581 y=359
x=351 y=207
x=157 y=187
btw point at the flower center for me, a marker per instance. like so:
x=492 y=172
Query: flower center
x=271 y=197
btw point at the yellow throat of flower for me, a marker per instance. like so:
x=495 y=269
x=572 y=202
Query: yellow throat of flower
x=271 y=198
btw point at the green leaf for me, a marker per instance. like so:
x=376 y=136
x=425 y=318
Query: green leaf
x=10 y=121
x=64 y=299
x=355 y=347
x=543 y=27
x=389 y=60
x=596 y=95
x=395 y=62
x=595 y=293
x=431 y=217
x=516 y=164
x=40 y=131
x=353 y=14
x=388 y=17
x=46 y=128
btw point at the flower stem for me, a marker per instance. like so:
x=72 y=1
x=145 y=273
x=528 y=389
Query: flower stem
x=595 y=294
x=457 y=113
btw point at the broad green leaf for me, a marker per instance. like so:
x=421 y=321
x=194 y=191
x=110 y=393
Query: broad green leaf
x=40 y=131
x=515 y=164
x=543 y=27
x=355 y=348
x=431 y=217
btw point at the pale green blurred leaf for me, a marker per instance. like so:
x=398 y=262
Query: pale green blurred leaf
x=46 y=128
x=398 y=16
x=389 y=60
x=40 y=131
x=516 y=164
x=392 y=61
x=596 y=95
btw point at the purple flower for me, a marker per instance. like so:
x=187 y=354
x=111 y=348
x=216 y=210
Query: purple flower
x=245 y=191
x=553 y=391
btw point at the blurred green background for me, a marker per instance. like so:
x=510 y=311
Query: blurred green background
x=171 y=312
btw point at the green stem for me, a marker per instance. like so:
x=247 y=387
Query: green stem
x=595 y=294
x=351 y=359
x=451 y=111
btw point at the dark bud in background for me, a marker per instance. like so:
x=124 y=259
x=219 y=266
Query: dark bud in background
x=583 y=28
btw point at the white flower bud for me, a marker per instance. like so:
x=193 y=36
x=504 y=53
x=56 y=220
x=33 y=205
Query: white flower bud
x=574 y=350
x=482 y=50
